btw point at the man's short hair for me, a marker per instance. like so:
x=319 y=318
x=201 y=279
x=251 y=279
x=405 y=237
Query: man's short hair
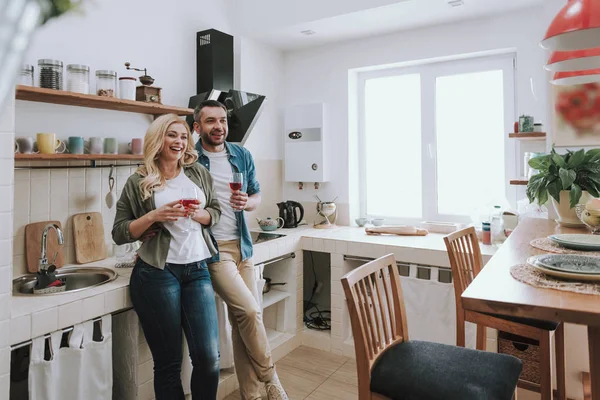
x=207 y=103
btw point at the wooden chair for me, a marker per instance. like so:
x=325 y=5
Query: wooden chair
x=389 y=366
x=466 y=262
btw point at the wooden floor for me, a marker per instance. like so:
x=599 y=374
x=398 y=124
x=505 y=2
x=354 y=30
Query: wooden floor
x=312 y=374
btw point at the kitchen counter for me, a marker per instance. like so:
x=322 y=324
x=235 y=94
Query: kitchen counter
x=32 y=316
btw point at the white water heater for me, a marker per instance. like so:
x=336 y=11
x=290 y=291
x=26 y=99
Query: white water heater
x=304 y=143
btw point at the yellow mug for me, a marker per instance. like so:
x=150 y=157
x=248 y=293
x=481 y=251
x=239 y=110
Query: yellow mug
x=47 y=143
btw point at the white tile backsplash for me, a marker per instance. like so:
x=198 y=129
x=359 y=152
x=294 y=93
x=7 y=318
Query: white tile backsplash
x=4 y=333
x=20 y=329
x=58 y=194
x=6 y=279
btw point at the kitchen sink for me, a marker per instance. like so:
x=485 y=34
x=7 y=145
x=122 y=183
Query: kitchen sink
x=76 y=279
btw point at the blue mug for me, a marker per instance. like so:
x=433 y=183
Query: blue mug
x=75 y=145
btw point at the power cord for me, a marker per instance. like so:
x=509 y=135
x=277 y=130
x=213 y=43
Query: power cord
x=319 y=320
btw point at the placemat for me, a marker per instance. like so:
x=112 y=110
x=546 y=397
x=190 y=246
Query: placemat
x=534 y=277
x=548 y=245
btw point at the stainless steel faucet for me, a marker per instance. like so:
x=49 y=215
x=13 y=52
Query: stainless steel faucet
x=43 y=263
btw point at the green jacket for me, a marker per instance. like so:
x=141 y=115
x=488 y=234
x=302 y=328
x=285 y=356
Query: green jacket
x=131 y=207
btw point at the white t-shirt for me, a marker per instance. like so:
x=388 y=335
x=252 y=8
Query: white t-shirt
x=220 y=170
x=185 y=247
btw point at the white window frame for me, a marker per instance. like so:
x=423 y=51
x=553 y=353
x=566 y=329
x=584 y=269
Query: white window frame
x=429 y=72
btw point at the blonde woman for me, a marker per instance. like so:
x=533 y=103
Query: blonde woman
x=170 y=284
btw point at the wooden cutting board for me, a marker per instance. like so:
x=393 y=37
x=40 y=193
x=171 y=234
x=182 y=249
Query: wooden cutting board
x=88 y=235
x=33 y=245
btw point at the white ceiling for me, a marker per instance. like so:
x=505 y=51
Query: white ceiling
x=279 y=22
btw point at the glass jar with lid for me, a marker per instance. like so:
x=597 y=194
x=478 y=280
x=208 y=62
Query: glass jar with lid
x=26 y=75
x=78 y=78
x=106 y=83
x=50 y=74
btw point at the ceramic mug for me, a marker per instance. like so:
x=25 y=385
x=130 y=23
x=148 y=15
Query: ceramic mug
x=111 y=146
x=136 y=146
x=95 y=145
x=25 y=144
x=48 y=143
x=76 y=145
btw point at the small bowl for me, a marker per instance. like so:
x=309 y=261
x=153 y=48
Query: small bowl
x=361 y=221
x=377 y=221
x=591 y=218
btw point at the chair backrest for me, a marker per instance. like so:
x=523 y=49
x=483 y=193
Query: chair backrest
x=377 y=314
x=465 y=258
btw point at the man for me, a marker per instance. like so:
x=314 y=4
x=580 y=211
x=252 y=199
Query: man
x=231 y=270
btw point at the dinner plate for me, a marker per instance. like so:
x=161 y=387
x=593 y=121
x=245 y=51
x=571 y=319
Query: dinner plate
x=577 y=241
x=563 y=275
x=571 y=263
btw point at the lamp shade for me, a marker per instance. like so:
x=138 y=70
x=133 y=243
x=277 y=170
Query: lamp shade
x=576 y=60
x=575 y=27
x=568 y=78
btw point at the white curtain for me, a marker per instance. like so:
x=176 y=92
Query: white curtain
x=431 y=310
x=83 y=370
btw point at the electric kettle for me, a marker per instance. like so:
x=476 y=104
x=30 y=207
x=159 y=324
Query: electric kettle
x=287 y=212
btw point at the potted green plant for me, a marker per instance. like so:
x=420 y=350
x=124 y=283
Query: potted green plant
x=567 y=179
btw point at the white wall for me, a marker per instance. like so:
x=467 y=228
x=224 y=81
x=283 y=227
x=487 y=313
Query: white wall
x=6 y=206
x=321 y=74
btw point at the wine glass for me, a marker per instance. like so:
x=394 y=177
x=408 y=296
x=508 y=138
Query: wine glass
x=189 y=195
x=235 y=183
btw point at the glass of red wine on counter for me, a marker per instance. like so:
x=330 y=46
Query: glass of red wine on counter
x=189 y=195
x=235 y=183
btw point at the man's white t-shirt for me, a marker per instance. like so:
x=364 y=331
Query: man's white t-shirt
x=220 y=170
x=185 y=247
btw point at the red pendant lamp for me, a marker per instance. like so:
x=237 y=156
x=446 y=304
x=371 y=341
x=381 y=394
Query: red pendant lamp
x=575 y=27
x=569 y=78
x=576 y=60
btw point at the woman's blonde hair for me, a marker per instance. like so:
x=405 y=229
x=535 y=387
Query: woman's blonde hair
x=153 y=145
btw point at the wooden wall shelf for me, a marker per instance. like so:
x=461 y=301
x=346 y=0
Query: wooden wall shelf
x=78 y=157
x=528 y=135
x=40 y=95
x=521 y=181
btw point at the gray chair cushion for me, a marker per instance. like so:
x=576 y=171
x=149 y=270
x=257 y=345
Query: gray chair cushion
x=416 y=370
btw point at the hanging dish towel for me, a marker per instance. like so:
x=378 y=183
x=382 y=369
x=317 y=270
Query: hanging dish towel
x=83 y=370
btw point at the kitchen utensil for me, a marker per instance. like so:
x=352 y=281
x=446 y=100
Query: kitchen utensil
x=287 y=212
x=95 y=145
x=111 y=146
x=136 y=146
x=75 y=145
x=125 y=254
x=25 y=144
x=269 y=284
x=111 y=196
x=584 y=242
x=88 y=233
x=49 y=144
x=562 y=275
x=270 y=224
x=361 y=221
x=570 y=263
x=33 y=245
x=328 y=210
x=397 y=230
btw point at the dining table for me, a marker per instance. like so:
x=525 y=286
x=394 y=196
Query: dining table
x=494 y=290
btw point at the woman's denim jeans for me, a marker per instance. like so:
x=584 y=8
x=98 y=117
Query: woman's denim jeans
x=166 y=301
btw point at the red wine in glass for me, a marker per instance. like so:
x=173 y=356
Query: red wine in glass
x=235 y=185
x=189 y=196
x=187 y=202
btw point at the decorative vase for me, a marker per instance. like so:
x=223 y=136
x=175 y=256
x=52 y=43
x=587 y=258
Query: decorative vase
x=567 y=216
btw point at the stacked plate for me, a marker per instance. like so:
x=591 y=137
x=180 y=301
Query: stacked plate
x=585 y=242
x=568 y=266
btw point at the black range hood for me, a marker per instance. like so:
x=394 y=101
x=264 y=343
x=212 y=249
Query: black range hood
x=214 y=81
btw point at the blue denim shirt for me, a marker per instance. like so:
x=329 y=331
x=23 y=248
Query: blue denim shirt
x=241 y=161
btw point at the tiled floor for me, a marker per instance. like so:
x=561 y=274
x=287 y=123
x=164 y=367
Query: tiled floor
x=312 y=374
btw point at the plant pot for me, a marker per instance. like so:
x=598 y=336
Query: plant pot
x=567 y=216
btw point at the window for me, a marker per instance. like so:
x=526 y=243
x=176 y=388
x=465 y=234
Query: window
x=433 y=141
